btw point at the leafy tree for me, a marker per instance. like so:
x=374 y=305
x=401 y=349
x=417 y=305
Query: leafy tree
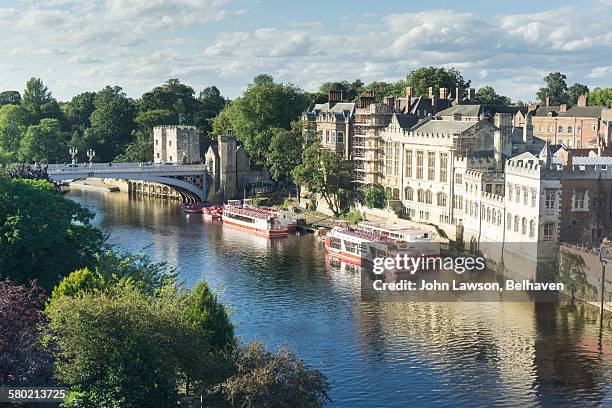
x=262 y=79
x=572 y=273
x=78 y=111
x=23 y=359
x=43 y=143
x=211 y=103
x=264 y=105
x=600 y=97
x=43 y=236
x=326 y=173
x=285 y=151
x=149 y=119
x=38 y=103
x=574 y=92
x=112 y=123
x=382 y=89
x=422 y=78
x=12 y=128
x=555 y=88
x=375 y=197
x=10 y=98
x=273 y=380
x=175 y=97
x=487 y=95
x=351 y=90
x=141 y=148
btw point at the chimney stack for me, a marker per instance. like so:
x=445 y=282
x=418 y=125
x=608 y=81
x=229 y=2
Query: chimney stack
x=389 y=101
x=408 y=91
x=528 y=130
x=471 y=94
x=431 y=94
x=547 y=101
x=497 y=146
x=367 y=98
x=570 y=159
x=458 y=95
x=562 y=108
x=443 y=93
x=582 y=100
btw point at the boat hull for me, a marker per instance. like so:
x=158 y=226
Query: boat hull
x=257 y=231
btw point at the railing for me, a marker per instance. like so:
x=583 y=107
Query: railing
x=125 y=167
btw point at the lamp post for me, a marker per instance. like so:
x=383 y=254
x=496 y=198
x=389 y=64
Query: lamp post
x=91 y=153
x=73 y=152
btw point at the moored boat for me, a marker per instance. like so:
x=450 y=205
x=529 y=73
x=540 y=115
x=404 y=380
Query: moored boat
x=212 y=212
x=192 y=207
x=263 y=221
x=423 y=243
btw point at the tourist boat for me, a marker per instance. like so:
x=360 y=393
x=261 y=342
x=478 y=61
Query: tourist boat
x=263 y=221
x=213 y=212
x=193 y=207
x=423 y=243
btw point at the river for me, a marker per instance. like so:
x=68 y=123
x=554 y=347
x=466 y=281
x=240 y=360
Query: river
x=388 y=354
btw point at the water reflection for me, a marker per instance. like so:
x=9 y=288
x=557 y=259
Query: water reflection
x=378 y=354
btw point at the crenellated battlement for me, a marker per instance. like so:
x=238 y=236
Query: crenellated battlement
x=492 y=198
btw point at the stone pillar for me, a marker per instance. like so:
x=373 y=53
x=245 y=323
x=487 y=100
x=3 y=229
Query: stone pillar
x=227 y=173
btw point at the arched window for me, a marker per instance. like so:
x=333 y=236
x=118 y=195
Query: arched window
x=516 y=223
x=524 y=226
x=549 y=231
x=488 y=214
x=441 y=198
x=509 y=222
x=499 y=217
x=531 y=228
x=396 y=194
x=408 y=194
x=428 y=197
x=420 y=196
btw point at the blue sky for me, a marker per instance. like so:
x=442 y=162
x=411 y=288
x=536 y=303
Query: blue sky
x=80 y=45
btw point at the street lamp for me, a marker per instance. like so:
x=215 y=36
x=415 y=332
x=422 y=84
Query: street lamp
x=91 y=153
x=73 y=152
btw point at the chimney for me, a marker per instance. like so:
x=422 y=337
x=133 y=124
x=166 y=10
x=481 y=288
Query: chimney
x=562 y=108
x=582 y=100
x=431 y=92
x=458 y=93
x=434 y=103
x=471 y=94
x=366 y=99
x=408 y=91
x=389 y=101
x=443 y=93
x=547 y=101
x=570 y=159
x=335 y=96
x=497 y=146
x=528 y=130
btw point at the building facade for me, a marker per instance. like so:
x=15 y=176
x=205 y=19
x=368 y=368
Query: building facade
x=176 y=144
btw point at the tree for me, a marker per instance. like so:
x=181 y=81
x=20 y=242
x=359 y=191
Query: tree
x=175 y=97
x=572 y=273
x=211 y=103
x=23 y=359
x=43 y=236
x=112 y=123
x=10 y=98
x=43 y=143
x=78 y=111
x=12 y=128
x=38 y=103
x=375 y=197
x=264 y=105
x=141 y=148
x=555 y=88
x=574 y=92
x=285 y=151
x=422 y=78
x=382 y=89
x=326 y=173
x=487 y=95
x=351 y=90
x=600 y=97
x=273 y=380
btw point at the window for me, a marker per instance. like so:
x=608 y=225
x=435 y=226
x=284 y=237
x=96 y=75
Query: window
x=524 y=226
x=498 y=188
x=593 y=126
x=549 y=231
x=441 y=198
x=458 y=201
x=408 y=163
x=550 y=129
x=156 y=142
x=458 y=178
x=408 y=194
x=419 y=172
x=340 y=137
x=488 y=214
x=533 y=197
x=509 y=222
x=531 y=228
x=158 y=155
x=169 y=142
x=321 y=136
x=431 y=166
x=443 y=167
x=327 y=136
x=549 y=199
x=560 y=129
x=579 y=199
x=510 y=191
x=428 y=197
x=525 y=196
x=396 y=193
x=420 y=196
x=516 y=223
x=170 y=158
x=517 y=194
x=570 y=129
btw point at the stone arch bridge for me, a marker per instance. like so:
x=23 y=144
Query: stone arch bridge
x=188 y=179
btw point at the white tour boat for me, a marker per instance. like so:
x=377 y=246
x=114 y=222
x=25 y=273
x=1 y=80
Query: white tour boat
x=263 y=221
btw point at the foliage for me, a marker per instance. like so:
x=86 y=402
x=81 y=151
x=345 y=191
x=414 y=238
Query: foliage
x=141 y=149
x=375 y=197
x=487 y=95
x=43 y=236
x=211 y=103
x=26 y=171
x=263 y=106
x=422 y=78
x=572 y=273
x=12 y=128
x=23 y=359
x=351 y=90
x=38 y=103
x=326 y=173
x=79 y=110
x=557 y=90
x=273 y=380
x=574 y=92
x=43 y=143
x=354 y=217
x=10 y=98
x=175 y=97
x=600 y=97
x=285 y=151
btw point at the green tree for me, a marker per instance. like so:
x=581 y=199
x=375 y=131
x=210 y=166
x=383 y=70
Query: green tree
x=326 y=173
x=600 y=97
x=141 y=148
x=43 y=143
x=112 y=123
x=285 y=151
x=10 y=98
x=264 y=105
x=175 y=97
x=12 y=128
x=38 y=103
x=572 y=273
x=375 y=197
x=211 y=103
x=43 y=236
x=272 y=379
x=351 y=90
x=574 y=92
x=422 y=78
x=382 y=89
x=78 y=111
x=487 y=95
x=555 y=88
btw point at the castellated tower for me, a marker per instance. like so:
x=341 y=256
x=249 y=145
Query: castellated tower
x=227 y=168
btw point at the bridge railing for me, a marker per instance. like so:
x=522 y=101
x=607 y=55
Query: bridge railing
x=125 y=168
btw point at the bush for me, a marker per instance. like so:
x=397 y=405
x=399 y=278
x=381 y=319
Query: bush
x=353 y=217
x=375 y=197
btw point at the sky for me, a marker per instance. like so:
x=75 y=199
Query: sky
x=84 y=45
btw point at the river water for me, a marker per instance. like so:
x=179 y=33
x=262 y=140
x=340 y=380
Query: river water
x=375 y=354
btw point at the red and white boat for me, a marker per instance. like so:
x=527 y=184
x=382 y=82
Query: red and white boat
x=263 y=221
x=213 y=212
x=193 y=207
x=423 y=243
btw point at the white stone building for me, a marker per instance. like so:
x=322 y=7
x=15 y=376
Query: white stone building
x=176 y=144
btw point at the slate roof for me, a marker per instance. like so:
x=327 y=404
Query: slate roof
x=443 y=126
x=574 y=111
x=406 y=121
x=592 y=161
x=340 y=107
x=488 y=111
